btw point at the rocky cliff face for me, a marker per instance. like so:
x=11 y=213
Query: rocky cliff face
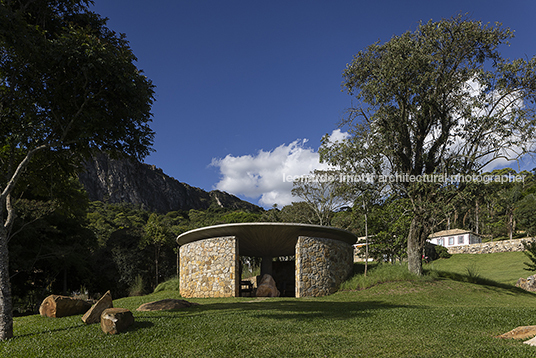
x=129 y=181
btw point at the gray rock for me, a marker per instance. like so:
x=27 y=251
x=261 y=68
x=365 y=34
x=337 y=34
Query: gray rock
x=528 y=284
x=130 y=181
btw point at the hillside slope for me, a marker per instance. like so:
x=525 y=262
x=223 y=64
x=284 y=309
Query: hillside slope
x=503 y=267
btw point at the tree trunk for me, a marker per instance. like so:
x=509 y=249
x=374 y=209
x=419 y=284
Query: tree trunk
x=510 y=224
x=178 y=263
x=366 y=241
x=476 y=217
x=6 y=307
x=156 y=256
x=415 y=248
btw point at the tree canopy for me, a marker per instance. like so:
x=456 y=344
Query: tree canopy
x=68 y=85
x=438 y=100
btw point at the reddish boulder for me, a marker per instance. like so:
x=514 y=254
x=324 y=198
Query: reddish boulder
x=62 y=306
x=93 y=315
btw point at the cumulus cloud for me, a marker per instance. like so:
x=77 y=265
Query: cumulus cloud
x=338 y=136
x=262 y=176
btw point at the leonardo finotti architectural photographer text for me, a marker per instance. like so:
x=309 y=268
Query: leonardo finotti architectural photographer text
x=404 y=178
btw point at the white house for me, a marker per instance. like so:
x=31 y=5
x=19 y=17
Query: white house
x=454 y=237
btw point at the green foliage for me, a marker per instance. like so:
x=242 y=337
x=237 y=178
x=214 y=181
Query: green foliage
x=240 y=217
x=169 y=285
x=390 y=222
x=442 y=252
x=381 y=273
x=50 y=251
x=105 y=219
x=472 y=272
x=137 y=288
x=530 y=252
x=323 y=193
x=525 y=214
x=414 y=107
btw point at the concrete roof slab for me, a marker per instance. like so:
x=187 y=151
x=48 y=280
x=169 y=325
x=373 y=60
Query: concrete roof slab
x=266 y=239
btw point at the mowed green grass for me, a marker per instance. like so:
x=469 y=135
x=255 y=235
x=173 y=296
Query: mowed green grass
x=437 y=317
x=503 y=267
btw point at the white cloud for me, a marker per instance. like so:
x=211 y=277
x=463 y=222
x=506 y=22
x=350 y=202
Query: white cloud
x=338 y=136
x=262 y=175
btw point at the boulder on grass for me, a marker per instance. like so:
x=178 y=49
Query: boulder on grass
x=116 y=320
x=521 y=332
x=166 y=304
x=62 y=306
x=528 y=284
x=531 y=342
x=267 y=287
x=93 y=315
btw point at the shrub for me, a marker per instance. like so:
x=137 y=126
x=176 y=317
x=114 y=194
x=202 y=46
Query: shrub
x=380 y=274
x=442 y=252
x=136 y=289
x=530 y=252
x=170 y=285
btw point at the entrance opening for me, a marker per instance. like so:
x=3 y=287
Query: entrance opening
x=282 y=270
x=284 y=274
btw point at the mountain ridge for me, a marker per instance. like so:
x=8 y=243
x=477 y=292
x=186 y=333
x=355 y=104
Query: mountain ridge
x=128 y=180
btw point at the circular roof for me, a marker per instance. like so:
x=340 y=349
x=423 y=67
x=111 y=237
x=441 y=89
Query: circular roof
x=266 y=239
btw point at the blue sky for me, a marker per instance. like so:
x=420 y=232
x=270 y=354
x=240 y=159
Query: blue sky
x=246 y=89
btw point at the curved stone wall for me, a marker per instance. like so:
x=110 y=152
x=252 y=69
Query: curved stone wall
x=321 y=265
x=209 y=268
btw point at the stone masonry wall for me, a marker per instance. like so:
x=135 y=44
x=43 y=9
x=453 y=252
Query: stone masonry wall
x=490 y=247
x=321 y=265
x=209 y=268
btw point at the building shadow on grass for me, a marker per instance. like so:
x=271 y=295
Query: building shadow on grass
x=293 y=309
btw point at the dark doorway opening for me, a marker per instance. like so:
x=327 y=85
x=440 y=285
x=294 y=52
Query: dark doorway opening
x=284 y=274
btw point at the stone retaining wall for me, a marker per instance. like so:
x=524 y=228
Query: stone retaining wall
x=209 y=268
x=321 y=265
x=490 y=247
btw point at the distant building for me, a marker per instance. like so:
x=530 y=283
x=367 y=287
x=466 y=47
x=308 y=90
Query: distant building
x=361 y=242
x=454 y=237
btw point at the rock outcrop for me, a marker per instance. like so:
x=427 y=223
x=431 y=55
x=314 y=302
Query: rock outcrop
x=130 y=181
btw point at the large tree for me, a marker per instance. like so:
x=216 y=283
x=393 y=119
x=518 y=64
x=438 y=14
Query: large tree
x=321 y=190
x=68 y=86
x=438 y=100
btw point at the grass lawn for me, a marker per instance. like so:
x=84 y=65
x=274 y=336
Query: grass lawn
x=438 y=317
x=503 y=267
